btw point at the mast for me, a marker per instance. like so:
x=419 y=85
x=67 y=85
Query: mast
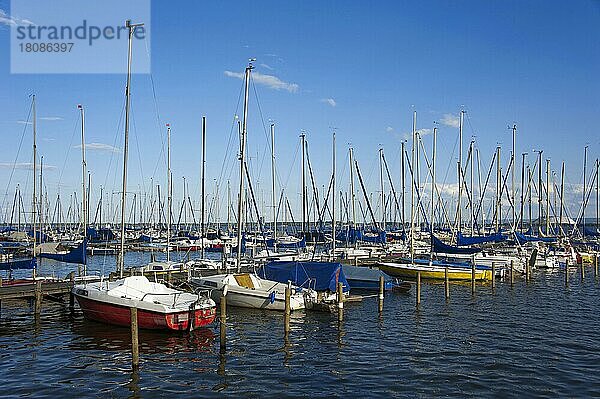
x=547 y=196
x=242 y=163
x=472 y=194
x=169 y=193
x=203 y=188
x=382 y=188
x=540 y=191
x=131 y=27
x=562 y=190
x=333 y=221
x=529 y=190
x=273 y=178
x=352 y=196
x=403 y=182
x=522 y=190
x=34 y=205
x=228 y=206
x=303 y=183
x=433 y=179
x=83 y=173
x=459 y=169
x=412 y=189
x=513 y=167
x=583 y=200
x=597 y=202
x=498 y=190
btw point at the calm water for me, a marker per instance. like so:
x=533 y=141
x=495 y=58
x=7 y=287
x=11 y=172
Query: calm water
x=536 y=340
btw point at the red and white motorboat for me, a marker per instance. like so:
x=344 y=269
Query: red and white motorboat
x=158 y=306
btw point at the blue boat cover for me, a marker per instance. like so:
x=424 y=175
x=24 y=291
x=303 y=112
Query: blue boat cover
x=18 y=264
x=380 y=238
x=591 y=232
x=76 y=255
x=99 y=235
x=462 y=240
x=522 y=238
x=439 y=246
x=350 y=235
x=321 y=276
x=287 y=245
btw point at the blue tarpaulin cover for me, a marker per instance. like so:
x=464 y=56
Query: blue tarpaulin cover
x=76 y=255
x=462 y=240
x=522 y=238
x=18 y=264
x=318 y=275
x=288 y=245
x=439 y=246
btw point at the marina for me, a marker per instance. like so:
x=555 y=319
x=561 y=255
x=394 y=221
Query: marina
x=245 y=235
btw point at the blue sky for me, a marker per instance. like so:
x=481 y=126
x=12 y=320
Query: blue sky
x=361 y=67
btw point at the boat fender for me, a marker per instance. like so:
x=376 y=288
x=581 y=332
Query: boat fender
x=225 y=289
x=272 y=297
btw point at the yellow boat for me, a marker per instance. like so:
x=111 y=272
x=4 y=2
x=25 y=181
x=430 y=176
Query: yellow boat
x=433 y=272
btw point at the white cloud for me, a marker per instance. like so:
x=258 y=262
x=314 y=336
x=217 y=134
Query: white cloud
x=389 y=129
x=8 y=20
x=421 y=132
x=51 y=118
x=24 y=166
x=21 y=122
x=99 y=147
x=270 y=68
x=329 y=101
x=450 y=120
x=271 y=81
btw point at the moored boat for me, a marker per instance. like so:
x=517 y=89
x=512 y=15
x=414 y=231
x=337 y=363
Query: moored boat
x=159 y=307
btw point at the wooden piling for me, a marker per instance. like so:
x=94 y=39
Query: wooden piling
x=473 y=277
x=38 y=297
x=446 y=283
x=169 y=278
x=288 y=308
x=582 y=271
x=223 y=325
x=567 y=272
x=596 y=266
x=381 y=293
x=340 y=300
x=135 y=349
x=512 y=272
x=493 y=275
x=418 y=288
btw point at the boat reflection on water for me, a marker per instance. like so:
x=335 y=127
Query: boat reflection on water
x=91 y=335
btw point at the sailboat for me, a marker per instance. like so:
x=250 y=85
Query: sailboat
x=159 y=307
x=247 y=289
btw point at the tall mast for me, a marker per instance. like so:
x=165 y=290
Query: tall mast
x=562 y=187
x=34 y=204
x=403 y=182
x=522 y=189
x=131 y=27
x=412 y=188
x=540 y=191
x=302 y=138
x=547 y=196
x=242 y=162
x=459 y=169
x=83 y=173
x=169 y=193
x=513 y=166
x=273 y=178
x=433 y=156
x=333 y=222
x=228 y=205
x=583 y=200
x=352 y=196
x=529 y=190
x=203 y=227
x=597 y=196
x=472 y=194
x=382 y=188
x=498 y=190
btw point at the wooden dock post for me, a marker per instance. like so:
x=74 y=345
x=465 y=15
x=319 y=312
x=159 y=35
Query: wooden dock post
x=512 y=272
x=418 y=288
x=582 y=271
x=223 y=325
x=340 y=300
x=446 y=283
x=169 y=278
x=135 y=349
x=288 y=308
x=71 y=296
x=381 y=293
x=567 y=272
x=493 y=276
x=473 y=277
x=38 y=297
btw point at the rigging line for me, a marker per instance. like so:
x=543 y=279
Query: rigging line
x=228 y=152
x=114 y=143
x=137 y=145
x=264 y=129
x=156 y=110
x=17 y=154
x=68 y=152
